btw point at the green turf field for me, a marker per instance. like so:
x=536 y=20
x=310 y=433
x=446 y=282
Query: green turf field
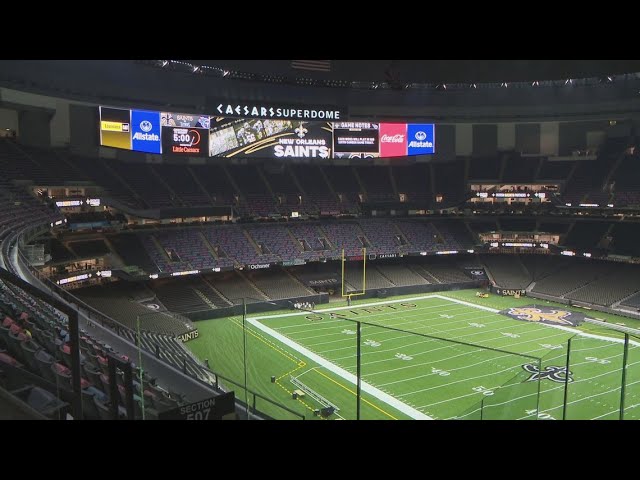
x=441 y=356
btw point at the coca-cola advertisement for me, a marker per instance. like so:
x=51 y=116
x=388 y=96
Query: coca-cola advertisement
x=355 y=140
x=393 y=139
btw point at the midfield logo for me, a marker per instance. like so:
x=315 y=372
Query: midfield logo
x=537 y=315
x=555 y=374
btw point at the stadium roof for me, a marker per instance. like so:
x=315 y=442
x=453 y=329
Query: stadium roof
x=432 y=71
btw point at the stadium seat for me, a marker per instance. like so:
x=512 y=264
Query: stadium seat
x=29 y=350
x=45 y=363
x=43 y=401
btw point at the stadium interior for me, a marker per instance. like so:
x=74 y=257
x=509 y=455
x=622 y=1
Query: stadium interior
x=112 y=258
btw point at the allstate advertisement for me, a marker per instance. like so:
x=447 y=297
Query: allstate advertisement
x=421 y=139
x=145 y=129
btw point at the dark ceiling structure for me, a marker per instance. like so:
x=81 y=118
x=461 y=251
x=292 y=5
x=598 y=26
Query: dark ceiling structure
x=437 y=71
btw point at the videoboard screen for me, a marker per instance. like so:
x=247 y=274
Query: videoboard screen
x=356 y=140
x=202 y=135
x=270 y=138
x=185 y=134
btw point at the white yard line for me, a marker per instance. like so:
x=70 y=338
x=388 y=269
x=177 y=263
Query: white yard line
x=379 y=394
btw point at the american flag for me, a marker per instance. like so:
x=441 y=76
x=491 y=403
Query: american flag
x=316 y=65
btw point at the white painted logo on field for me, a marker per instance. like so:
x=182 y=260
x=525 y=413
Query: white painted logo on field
x=402 y=356
x=541 y=415
x=601 y=361
x=477 y=325
x=549 y=346
x=446 y=316
x=511 y=335
x=442 y=373
x=483 y=390
x=348 y=332
x=372 y=343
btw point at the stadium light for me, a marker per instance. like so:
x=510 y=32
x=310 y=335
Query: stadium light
x=504 y=84
x=535 y=83
x=225 y=73
x=568 y=81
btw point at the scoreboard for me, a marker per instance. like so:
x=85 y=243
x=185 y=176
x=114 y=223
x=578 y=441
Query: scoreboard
x=197 y=135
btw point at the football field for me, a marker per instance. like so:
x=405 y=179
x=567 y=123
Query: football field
x=448 y=355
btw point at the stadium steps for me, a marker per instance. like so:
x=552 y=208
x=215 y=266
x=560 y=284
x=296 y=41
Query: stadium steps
x=503 y=167
x=295 y=180
x=172 y=193
x=122 y=181
x=200 y=186
x=16 y=147
x=523 y=267
x=440 y=236
x=359 y=180
x=326 y=237
x=64 y=159
x=613 y=170
x=217 y=292
x=328 y=183
x=252 y=241
x=295 y=241
x=579 y=287
x=563 y=237
x=401 y=234
x=474 y=235
x=432 y=179
x=70 y=248
x=207 y=244
x=267 y=184
x=384 y=276
x=232 y=182
x=417 y=269
x=617 y=304
x=488 y=272
x=538 y=169
x=160 y=248
x=113 y=251
x=260 y=294
x=393 y=182
x=298 y=282
x=570 y=175
x=204 y=298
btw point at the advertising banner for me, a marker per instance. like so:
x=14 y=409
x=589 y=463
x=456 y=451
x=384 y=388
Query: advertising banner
x=145 y=130
x=115 y=128
x=421 y=139
x=393 y=139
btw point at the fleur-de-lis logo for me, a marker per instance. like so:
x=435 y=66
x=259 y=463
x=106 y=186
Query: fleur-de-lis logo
x=301 y=131
x=536 y=315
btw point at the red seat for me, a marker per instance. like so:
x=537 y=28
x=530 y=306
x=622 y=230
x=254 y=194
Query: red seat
x=7 y=322
x=15 y=329
x=9 y=360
